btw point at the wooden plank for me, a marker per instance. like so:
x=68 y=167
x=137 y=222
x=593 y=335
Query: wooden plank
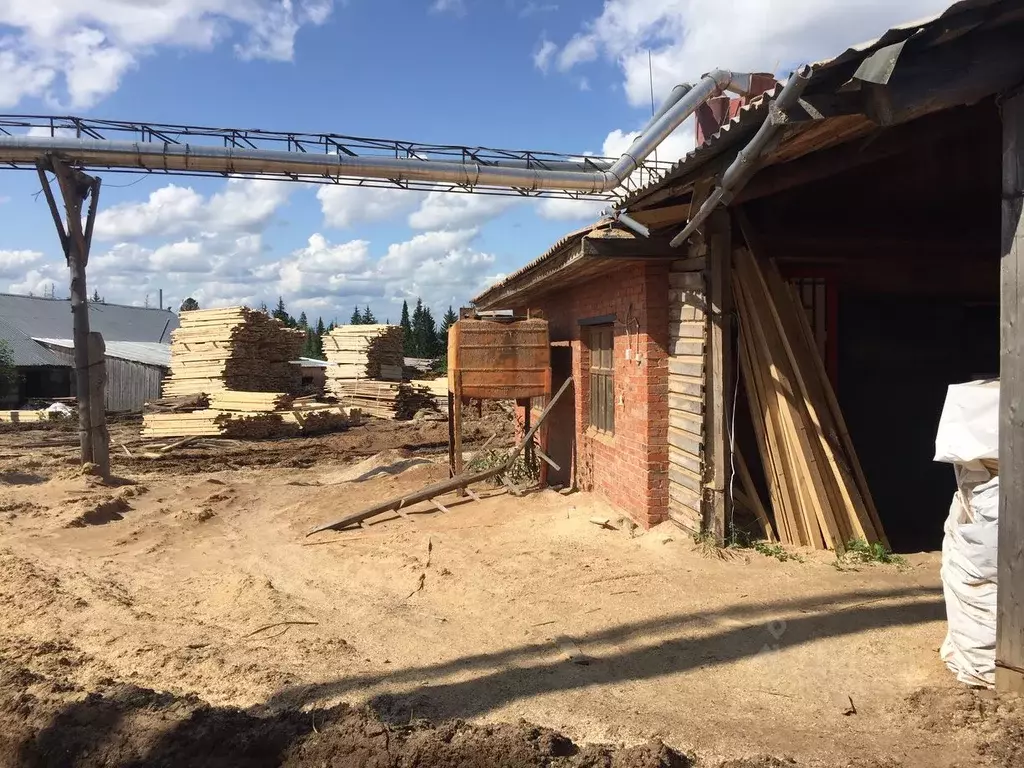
x=753 y=500
x=833 y=500
x=685 y=403
x=684 y=517
x=763 y=419
x=693 y=281
x=716 y=448
x=684 y=440
x=686 y=347
x=685 y=386
x=685 y=498
x=689 y=297
x=690 y=329
x=683 y=365
x=684 y=478
x=681 y=458
x=687 y=422
x=1010 y=595
x=814 y=504
x=681 y=312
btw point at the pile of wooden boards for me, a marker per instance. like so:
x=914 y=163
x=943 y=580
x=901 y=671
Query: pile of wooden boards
x=384 y=399
x=364 y=352
x=818 y=492
x=288 y=421
x=233 y=349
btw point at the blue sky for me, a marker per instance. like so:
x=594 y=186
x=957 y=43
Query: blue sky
x=565 y=75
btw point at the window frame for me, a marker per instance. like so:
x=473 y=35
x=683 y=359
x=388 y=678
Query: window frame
x=601 y=378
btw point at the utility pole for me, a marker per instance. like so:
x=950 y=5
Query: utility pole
x=76 y=187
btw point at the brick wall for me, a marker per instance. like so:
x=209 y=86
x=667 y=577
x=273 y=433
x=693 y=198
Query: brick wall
x=629 y=468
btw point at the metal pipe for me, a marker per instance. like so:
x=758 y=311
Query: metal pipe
x=157 y=156
x=746 y=161
x=627 y=221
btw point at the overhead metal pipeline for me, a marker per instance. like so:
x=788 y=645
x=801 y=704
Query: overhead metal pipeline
x=748 y=158
x=166 y=156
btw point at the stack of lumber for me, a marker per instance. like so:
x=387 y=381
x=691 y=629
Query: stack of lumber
x=232 y=349
x=818 y=493
x=182 y=403
x=305 y=418
x=16 y=417
x=437 y=387
x=385 y=399
x=364 y=352
x=232 y=400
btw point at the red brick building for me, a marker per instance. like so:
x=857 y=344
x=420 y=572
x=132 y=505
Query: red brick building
x=883 y=198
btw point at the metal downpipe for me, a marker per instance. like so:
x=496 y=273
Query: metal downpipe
x=746 y=161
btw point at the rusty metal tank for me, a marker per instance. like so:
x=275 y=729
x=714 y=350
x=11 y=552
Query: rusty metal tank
x=499 y=360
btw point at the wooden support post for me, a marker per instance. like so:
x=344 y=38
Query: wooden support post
x=718 y=394
x=455 y=415
x=98 y=436
x=75 y=188
x=1010 y=595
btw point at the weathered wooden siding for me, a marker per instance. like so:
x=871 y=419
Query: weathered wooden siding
x=686 y=378
x=129 y=384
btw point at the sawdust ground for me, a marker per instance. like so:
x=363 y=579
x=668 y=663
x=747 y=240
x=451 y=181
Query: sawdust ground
x=184 y=613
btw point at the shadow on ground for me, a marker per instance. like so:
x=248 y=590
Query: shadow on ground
x=46 y=721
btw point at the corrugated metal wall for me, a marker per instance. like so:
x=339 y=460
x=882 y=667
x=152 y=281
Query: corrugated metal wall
x=129 y=385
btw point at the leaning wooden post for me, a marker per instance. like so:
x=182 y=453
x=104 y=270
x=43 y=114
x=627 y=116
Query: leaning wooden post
x=718 y=396
x=98 y=436
x=1010 y=595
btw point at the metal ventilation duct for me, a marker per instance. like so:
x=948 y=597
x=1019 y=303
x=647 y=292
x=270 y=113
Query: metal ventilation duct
x=166 y=156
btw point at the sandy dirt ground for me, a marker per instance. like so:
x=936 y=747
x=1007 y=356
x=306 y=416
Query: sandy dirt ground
x=183 y=617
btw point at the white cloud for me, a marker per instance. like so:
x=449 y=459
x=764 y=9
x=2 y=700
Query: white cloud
x=404 y=258
x=542 y=56
x=344 y=207
x=82 y=50
x=245 y=205
x=561 y=209
x=442 y=210
x=689 y=37
x=457 y=7
x=324 y=270
x=675 y=145
x=14 y=263
x=38 y=282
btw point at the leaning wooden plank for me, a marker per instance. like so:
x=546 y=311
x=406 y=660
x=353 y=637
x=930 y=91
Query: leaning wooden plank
x=455 y=483
x=753 y=500
x=762 y=418
x=847 y=497
x=815 y=505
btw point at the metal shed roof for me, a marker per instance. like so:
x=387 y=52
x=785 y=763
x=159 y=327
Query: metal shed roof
x=27 y=353
x=146 y=352
x=51 y=318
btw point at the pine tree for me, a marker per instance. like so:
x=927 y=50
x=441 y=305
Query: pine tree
x=263 y=308
x=357 y=317
x=368 y=317
x=189 y=305
x=318 y=339
x=406 y=330
x=303 y=323
x=281 y=313
x=449 y=319
x=430 y=344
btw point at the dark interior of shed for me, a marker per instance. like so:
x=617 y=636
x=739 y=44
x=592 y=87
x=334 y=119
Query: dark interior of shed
x=910 y=246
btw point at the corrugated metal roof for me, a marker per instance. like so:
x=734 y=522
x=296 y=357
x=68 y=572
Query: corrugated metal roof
x=27 y=353
x=147 y=352
x=51 y=318
x=752 y=114
x=558 y=246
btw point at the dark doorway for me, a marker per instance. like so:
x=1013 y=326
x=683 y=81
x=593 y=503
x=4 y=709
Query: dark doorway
x=897 y=356
x=562 y=420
